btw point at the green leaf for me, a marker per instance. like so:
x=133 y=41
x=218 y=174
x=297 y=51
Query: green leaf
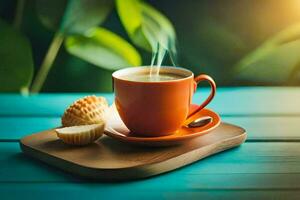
x=103 y=49
x=274 y=60
x=210 y=47
x=81 y=15
x=50 y=13
x=272 y=65
x=146 y=26
x=73 y=16
x=16 y=63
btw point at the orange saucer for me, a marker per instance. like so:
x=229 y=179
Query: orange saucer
x=116 y=129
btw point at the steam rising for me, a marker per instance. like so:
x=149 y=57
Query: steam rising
x=157 y=59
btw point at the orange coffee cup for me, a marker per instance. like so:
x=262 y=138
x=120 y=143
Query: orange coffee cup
x=157 y=108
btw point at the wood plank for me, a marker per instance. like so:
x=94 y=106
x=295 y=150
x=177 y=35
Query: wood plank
x=255 y=101
x=229 y=101
x=13 y=128
x=251 y=166
x=258 y=128
x=108 y=160
x=57 y=191
x=234 y=194
x=40 y=105
x=268 y=128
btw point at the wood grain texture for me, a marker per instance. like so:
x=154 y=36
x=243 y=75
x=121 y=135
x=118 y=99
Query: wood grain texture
x=41 y=104
x=271 y=128
x=274 y=128
x=252 y=171
x=248 y=165
x=94 y=191
x=228 y=101
x=115 y=192
x=256 y=170
x=111 y=160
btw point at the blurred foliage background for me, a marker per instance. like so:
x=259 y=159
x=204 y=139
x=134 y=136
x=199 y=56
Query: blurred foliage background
x=238 y=42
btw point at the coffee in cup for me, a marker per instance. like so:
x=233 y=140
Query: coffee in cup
x=157 y=105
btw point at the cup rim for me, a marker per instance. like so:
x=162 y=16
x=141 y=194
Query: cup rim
x=188 y=73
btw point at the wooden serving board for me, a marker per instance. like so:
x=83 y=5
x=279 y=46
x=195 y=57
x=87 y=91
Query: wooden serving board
x=111 y=160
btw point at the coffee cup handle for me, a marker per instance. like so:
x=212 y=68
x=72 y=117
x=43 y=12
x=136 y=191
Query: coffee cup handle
x=202 y=77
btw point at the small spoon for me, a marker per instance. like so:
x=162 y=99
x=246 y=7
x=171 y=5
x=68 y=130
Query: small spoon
x=202 y=121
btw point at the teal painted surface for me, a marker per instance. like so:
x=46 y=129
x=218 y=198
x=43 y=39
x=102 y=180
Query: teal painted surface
x=44 y=104
x=17 y=127
x=258 y=127
x=229 y=101
x=57 y=191
x=255 y=170
x=247 y=165
x=268 y=168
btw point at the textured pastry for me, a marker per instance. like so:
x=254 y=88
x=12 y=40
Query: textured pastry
x=80 y=135
x=88 y=110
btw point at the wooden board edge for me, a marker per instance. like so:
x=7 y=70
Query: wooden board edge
x=152 y=169
x=194 y=156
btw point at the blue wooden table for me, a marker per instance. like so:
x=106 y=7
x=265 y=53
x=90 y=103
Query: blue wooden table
x=267 y=165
